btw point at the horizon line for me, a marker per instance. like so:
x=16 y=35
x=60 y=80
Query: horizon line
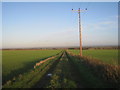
x=62 y=47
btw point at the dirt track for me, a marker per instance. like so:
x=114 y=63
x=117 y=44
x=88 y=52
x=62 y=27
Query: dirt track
x=68 y=73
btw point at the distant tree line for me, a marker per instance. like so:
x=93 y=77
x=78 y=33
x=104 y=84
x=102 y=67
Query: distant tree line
x=94 y=48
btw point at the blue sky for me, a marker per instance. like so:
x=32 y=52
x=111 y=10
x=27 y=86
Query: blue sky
x=52 y=24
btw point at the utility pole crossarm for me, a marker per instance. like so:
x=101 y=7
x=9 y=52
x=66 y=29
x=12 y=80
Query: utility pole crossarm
x=79 y=10
x=80 y=29
x=75 y=10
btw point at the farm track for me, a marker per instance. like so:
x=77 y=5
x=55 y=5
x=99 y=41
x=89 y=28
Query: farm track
x=46 y=79
x=68 y=71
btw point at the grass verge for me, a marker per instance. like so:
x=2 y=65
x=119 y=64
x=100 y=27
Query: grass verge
x=96 y=73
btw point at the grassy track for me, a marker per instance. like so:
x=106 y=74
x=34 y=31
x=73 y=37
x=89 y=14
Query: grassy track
x=107 y=56
x=45 y=79
x=19 y=61
x=64 y=75
x=71 y=73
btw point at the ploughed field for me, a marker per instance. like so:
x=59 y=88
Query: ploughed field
x=62 y=70
x=107 y=56
x=15 y=62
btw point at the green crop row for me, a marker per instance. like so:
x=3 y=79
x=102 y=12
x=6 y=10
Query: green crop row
x=106 y=56
x=29 y=79
x=15 y=62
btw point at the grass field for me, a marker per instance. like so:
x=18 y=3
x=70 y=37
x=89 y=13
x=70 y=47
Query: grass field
x=29 y=79
x=107 y=56
x=67 y=71
x=15 y=62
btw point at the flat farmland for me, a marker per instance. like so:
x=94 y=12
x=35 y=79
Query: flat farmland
x=107 y=56
x=64 y=70
x=15 y=62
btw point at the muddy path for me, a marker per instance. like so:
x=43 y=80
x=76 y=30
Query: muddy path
x=67 y=75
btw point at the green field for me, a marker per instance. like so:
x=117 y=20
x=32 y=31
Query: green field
x=107 y=56
x=31 y=78
x=67 y=71
x=15 y=62
x=64 y=75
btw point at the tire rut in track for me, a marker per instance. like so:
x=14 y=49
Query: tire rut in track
x=45 y=79
x=68 y=72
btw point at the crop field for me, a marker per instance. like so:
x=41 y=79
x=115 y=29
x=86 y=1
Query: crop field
x=65 y=70
x=16 y=62
x=29 y=79
x=107 y=56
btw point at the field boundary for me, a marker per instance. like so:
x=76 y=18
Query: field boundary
x=109 y=73
x=39 y=63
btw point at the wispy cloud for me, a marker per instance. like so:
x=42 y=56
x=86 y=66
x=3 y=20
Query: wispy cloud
x=105 y=25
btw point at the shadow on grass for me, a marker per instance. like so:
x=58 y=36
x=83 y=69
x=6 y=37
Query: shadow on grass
x=96 y=73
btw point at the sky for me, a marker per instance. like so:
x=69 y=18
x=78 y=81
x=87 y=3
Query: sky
x=0 y=27
x=53 y=24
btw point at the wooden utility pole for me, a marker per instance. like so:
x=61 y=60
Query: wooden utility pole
x=80 y=29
